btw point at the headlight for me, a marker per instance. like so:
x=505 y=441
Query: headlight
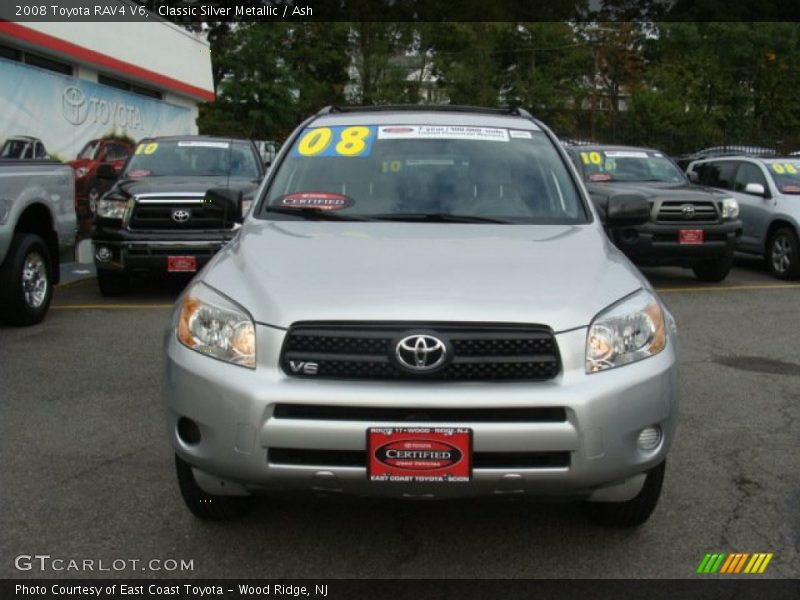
x=214 y=325
x=81 y=172
x=730 y=208
x=111 y=208
x=629 y=331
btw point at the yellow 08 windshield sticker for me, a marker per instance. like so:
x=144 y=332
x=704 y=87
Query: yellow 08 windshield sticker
x=351 y=141
x=790 y=168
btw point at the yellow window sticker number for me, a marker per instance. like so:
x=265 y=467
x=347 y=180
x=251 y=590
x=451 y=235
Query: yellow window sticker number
x=150 y=148
x=315 y=142
x=391 y=166
x=352 y=141
x=335 y=141
x=790 y=168
x=591 y=157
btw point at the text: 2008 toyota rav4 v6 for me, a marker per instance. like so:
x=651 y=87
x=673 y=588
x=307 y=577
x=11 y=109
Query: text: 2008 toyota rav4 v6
x=423 y=304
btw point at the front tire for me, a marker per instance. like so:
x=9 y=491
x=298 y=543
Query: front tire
x=112 y=283
x=634 y=512
x=203 y=505
x=783 y=254
x=26 y=281
x=713 y=271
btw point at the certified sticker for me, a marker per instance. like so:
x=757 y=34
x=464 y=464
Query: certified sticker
x=318 y=200
x=419 y=454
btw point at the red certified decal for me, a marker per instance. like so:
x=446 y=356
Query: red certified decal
x=419 y=454
x=181 y=264
x=319 y=200
x=690 y=236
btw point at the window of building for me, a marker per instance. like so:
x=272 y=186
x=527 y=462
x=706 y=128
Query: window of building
x=129 y=87
x=47 y=63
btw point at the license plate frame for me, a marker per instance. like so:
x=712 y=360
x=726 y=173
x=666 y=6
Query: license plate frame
x=691 y=237
x=181 y=264
x=436 y=455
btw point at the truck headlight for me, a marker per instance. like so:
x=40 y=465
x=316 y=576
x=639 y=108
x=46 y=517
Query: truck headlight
x=730 y=208
x=111 y=208
x=215 y=325
x=631 y=330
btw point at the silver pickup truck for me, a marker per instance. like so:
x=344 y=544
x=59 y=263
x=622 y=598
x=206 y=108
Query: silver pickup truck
x=37 y=221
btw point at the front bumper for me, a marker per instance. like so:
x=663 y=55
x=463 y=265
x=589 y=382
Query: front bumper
x=656 y=244
x=147 y=252
x=234 y=409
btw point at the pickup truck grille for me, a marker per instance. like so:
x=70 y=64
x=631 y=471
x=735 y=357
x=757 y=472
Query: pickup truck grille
x=173 y=213
x=369 y=352
x=679 y=211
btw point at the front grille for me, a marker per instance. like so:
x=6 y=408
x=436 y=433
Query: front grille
x=157 y=215
x=358 y=458
x=485 y=352
x=138 y=251
x=676 y=210
x=379 y=414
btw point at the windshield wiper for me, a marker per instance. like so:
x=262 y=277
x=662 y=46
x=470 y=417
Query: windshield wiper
x=436 y=218
x=314 y=213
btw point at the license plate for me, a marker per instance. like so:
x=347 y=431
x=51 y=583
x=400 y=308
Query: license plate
x=181 y=264
x=419 y=454
x=690 y=236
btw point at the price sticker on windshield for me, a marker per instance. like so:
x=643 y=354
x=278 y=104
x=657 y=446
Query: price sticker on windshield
x=790 y=168
x=348 y=142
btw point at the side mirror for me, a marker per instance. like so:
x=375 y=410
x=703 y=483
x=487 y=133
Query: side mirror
x=627 y=210
x=107 y=171
x=756 y=189
x=226 y=204
x=693 y=177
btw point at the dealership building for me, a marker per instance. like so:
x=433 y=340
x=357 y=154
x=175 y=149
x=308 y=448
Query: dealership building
x=68 y=83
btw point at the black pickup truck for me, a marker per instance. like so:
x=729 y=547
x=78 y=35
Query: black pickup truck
x=158 y=216
x=690 y=225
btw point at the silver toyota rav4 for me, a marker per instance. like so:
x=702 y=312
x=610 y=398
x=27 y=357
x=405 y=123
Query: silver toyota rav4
x=422 y=303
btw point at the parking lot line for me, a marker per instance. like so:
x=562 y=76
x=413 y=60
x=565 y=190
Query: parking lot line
x=107 y=306
x=730 y=288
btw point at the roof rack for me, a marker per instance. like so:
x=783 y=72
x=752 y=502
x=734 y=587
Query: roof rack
x=519 y=112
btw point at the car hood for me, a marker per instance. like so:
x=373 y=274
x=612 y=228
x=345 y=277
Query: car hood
x=652 y=190
x=163 y=185
x=289 y=271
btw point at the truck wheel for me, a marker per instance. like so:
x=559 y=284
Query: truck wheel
x=634 y=512
x=203 y=505
x=26 y=281
x=783 y=254
x=111 y=283
x=713 y=271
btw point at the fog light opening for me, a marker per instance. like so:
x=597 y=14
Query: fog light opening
x=649 y=438
x=188 y=431
x=103 y=254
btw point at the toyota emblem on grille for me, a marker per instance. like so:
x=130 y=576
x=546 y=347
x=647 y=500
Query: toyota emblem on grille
x=181 y=215
x=421 y=353
x=687 y=210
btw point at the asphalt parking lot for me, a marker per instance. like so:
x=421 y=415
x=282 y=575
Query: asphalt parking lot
x=87 y=470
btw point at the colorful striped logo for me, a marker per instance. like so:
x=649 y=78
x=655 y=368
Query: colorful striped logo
x=735 y=563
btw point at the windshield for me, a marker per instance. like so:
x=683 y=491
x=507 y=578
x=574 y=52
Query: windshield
x=628 y=165
x=786 y=175
x=89 y=151
x=405 y=172
x=192 y=158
